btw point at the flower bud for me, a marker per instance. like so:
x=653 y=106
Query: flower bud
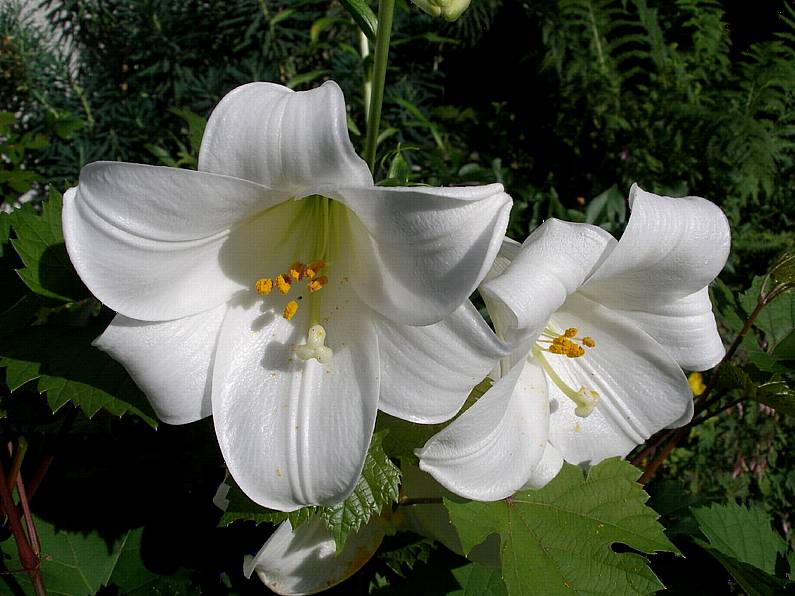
x=449 y=10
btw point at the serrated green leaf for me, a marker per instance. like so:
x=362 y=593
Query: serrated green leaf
x=78 y=564
x=70 y=369
x=363 y=16
x=778 y=395
x=744 y=534
x=558 y=540
x=777 y=319
x=726 y=304
x=132 y=577
x=378 y=486
x=241 y=508
x=743 y=541
x=39 y=242
x=754 y=581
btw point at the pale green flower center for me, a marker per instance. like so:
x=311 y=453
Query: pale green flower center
x=307 y=273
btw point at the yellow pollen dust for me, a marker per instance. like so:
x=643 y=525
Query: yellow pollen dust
x=567 y=344
x=283 y=282
x=264 y=286
x=290 y=310
x=317 y=283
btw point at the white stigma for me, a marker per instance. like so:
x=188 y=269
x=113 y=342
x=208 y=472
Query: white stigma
x=315 y=346
x=586 y=402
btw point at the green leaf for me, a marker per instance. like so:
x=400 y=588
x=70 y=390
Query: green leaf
x=363 y=15
x=775 y=393
x=70 y=369
x=5 y=230
x=744 y=534
x=743 y=541
x=754 y=581
x=478 y=580
x=777 y=318
x=39 y=242
x=778 y=395
x=378 y=486
x=726 y=305
x=77 y=564
x=241 y=508
x=558 y=540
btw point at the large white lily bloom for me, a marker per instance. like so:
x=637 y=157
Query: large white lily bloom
x=282 y=292
x=601 y=331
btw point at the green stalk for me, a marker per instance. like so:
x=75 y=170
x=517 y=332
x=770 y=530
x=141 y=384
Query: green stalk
x=386 y=9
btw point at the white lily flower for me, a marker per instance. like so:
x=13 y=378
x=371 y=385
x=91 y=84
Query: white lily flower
x=601 y=331
x=282 y=292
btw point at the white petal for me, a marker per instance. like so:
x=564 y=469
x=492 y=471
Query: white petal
x=293 y=141
x=685 y=327
x=428 y=372
x=304 y=561
x=552 y=263
x=658 y=272
x=492 y=449
x=152 y=243
x=546 y=470
x=295 y=432
x=420 y=252
x=171 y=362
x=641 y=388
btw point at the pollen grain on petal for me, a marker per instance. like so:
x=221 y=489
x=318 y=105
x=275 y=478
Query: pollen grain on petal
x=290 y=309
x=297 y=270
x=317 y=283
x=282 y=284
x=588 y=342
x=264 y=286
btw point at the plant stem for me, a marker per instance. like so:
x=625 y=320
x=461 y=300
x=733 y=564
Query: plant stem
x=367 y=84
x=386 y=9
x=29 y=559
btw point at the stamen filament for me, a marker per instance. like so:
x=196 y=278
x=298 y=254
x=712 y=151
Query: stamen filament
x=584 y=399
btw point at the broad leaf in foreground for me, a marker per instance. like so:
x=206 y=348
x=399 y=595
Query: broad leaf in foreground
x=377 y=487
x=40 y=244
x=558 y=540
x=744 y=543
x=76 y=564
x=69 y=368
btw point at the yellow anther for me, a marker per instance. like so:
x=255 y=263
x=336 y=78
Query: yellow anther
x=282 y=284
x=290 y=309
x=317 y=265
x=264 y=286
x=588 y=342
x=297 y=270
x=570 y=332
x=318 y=283
x=574 y=351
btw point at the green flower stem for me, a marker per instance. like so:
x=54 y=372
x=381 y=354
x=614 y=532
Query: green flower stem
x=367 y=84
x=386 y=9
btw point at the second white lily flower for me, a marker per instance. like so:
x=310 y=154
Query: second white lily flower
x=601 y=331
